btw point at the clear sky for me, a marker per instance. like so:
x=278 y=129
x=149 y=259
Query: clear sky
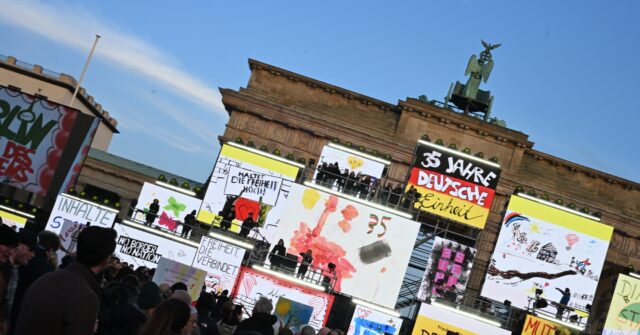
x=566 y=72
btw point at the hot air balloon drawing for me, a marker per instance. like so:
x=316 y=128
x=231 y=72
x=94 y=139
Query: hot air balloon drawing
x=571 y=240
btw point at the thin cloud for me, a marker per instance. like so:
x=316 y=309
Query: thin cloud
x=71 y=26
x=198 y=127
x=163 y=135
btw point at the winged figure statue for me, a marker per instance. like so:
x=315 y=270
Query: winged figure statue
x=479 y=69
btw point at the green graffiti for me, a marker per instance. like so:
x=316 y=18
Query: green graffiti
x=31 y=131
x=631 y=313
x=175 y=207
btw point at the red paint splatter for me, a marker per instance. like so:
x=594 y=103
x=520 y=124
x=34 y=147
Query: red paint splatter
x=348 y=213
x=167 y=221
x=245 y=206
x=324 y=251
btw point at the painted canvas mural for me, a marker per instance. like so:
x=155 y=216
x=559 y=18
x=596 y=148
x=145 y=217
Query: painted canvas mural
x=39 y=140
x=624 y=311
x=361 y=241
x=435 y=320
x=174 y=206
x=142 y=248
x=253 y=285
x=367 y=321
x=452 y=184
x=353 y=162
x=222 y=262
x=293 y=315
x=244 y=184
x=448 y=269
x=546 y=248
x=538 y=326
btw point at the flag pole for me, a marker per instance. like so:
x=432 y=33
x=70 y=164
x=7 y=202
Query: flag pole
x=84 y=70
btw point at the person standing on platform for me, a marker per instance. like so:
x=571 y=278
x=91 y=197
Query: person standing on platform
x=307 y=259
x=277 y=254
x=152 y=214
x=247 y=225
x=189 y=223
x=564 y=301
x=228 y=219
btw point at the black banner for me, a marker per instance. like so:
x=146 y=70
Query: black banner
x=435 y=158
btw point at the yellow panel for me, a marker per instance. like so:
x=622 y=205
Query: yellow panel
x=436 y=327
x=206 y=216
x=561 y=218
x=282 y=168
x=538 y=326
x=13 y=217
x=624 y=308
x=210 y=218
x=452 y=208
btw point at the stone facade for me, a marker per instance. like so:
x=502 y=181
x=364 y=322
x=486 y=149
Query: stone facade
x=299 y=115
x=57 y=87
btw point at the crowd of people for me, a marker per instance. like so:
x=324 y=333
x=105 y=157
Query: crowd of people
x=360 y=185
x=92 y=292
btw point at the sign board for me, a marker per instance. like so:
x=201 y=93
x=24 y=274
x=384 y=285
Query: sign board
x=254 y=284
x=174 y=206
x=448 y=269
x=624 y=311
x=362 y=241
x=367 y=321
x=171 y=272
x=69 y=233
x=141 y=248
x=538 y=326
x=38 y=141
x=351 y=161
x=221 y=261
x=72 y=209
x=547 y=248
x=293 y=315
x=434 y=320
x=453 y=185
x=13 y=220
x=74 y=171
x=251 y=184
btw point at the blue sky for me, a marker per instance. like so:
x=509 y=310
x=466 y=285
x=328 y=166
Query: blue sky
x=566 y=73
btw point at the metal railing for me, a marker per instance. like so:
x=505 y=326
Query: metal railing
x=259 y=255
x=381 y=191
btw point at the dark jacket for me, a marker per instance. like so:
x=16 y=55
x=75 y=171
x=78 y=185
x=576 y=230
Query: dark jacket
x=207 y=325
x=64 y=302
x=126 y=319
x=259 y=322
x=28 y=274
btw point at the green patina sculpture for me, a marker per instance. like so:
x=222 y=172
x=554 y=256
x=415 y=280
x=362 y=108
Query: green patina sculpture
x=479 y=70
x=469 y=97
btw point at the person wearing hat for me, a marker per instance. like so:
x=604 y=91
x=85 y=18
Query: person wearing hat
x=8 y=242
x=128 y=318
x=21 y=255
x=46 y=248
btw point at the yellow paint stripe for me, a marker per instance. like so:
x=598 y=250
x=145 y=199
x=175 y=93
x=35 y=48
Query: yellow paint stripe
x=452 y=208
x=210 y=219
x=437 y=327
x=561 y=218
x=13 y=217
x=264 y=162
